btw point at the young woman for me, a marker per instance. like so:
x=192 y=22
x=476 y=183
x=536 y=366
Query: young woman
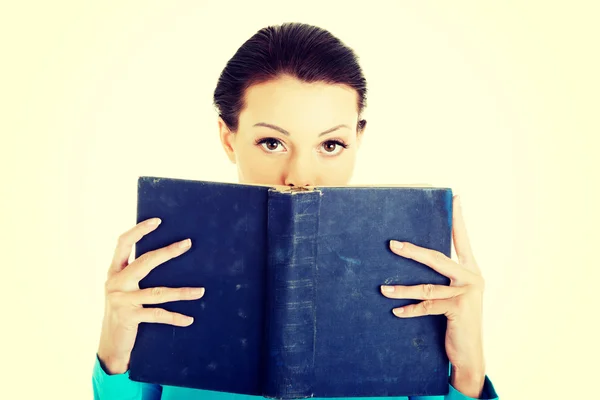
x=290 y=103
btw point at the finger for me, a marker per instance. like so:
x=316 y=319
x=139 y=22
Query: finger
x=127 y=240
x=150 y=260
x=421 y=292
x=159 y=295
x=434 y=259
x=427 y=307
x=462 y=244
x=161 y=316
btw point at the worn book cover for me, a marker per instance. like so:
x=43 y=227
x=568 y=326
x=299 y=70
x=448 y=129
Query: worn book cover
x=293 y=307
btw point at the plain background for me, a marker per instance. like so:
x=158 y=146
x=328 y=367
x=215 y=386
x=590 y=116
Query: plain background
x=498 y=100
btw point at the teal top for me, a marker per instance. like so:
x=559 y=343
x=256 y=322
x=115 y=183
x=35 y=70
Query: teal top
x=120 y=387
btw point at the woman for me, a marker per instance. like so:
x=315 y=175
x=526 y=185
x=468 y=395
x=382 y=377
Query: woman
x=290 y=103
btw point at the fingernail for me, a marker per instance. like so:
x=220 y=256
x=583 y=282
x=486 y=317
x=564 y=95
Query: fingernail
x=396 y=244
x=199 y=291
x=190 y=320
x=387 y=289
x=155 y=221
x=398 y=311
x=185 y=243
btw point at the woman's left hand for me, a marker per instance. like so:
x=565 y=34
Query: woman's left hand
x=461 y=303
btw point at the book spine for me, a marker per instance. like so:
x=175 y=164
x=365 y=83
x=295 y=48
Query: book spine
x=293 y=220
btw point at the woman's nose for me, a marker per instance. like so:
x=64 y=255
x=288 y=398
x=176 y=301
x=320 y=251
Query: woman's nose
x=301 y=172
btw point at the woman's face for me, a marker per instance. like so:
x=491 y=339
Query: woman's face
x=295 y=133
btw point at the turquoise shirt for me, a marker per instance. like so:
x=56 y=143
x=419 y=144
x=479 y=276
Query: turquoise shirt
x=120 y=387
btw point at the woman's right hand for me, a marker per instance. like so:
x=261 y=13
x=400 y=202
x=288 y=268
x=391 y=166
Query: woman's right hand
x=124 y=300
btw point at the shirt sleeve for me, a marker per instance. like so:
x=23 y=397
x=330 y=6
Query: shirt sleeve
x=488 y=392
x=120 y=387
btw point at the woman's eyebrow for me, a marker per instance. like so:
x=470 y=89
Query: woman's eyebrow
x=279 y=129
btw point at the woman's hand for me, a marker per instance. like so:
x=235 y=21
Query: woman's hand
x=461 y=303
x=124 y=299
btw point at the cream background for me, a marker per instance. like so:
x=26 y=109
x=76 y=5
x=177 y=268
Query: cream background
x=498 y=100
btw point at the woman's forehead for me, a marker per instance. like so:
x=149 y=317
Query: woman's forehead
x=292 y=101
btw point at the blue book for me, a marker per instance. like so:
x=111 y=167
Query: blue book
x=293 y=307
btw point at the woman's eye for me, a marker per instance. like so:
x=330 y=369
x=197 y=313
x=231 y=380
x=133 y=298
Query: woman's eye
x=333 y=147
x=271 y=145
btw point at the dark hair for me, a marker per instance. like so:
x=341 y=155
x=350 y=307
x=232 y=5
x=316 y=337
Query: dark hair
x=303 y=51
